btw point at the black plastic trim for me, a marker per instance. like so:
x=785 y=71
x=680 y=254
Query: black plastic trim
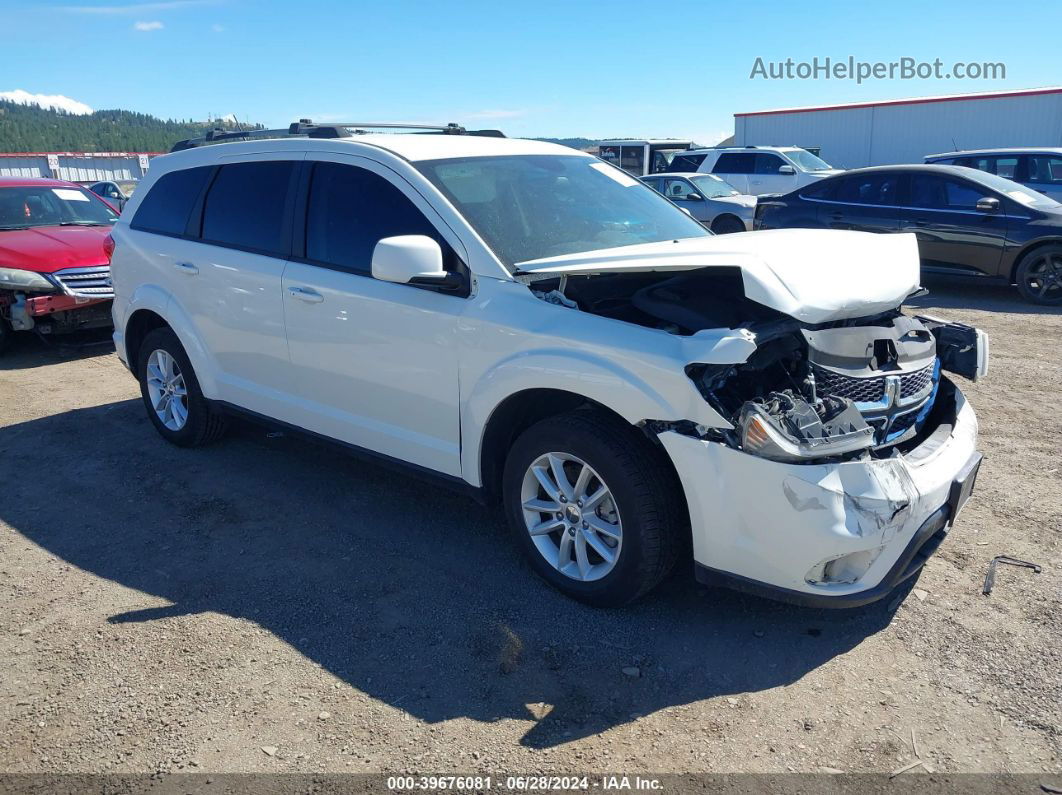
x=452 y=482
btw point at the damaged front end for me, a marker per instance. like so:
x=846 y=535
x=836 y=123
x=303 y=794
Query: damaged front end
x=838 y=391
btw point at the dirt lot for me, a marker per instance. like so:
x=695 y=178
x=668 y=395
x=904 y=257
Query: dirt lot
x=271 y=604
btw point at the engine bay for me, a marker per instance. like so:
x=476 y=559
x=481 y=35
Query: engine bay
x=847 y=388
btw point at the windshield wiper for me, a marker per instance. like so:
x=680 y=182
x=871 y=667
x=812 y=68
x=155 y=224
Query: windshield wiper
x=84 y=223
x=20 y=226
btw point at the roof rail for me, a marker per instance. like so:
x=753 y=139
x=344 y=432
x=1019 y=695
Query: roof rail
x=306 y=128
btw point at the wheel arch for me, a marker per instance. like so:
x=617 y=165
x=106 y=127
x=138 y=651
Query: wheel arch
x=1028 y=249
x=519 y=411
x=725 y=216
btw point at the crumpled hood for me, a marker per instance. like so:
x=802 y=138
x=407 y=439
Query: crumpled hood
x=46 y=249
x=813 y=275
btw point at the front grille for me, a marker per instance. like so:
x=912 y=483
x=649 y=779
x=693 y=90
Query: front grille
x=871 y=389
x=860 y=390
x=93 y=282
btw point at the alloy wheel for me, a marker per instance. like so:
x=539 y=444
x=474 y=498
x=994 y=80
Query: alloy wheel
x=572 y=517
x=1044 y=277
x=166 y=390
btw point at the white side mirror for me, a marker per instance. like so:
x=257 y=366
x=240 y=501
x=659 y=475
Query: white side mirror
x=408 y=258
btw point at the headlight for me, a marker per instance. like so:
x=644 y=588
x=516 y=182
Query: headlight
x=18 y=279
x=784 y=427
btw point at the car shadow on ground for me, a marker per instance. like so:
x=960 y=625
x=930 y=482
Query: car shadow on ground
x=411 y=594
x=28 y=350
x=971 y=293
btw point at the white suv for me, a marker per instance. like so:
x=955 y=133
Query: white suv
x=539 y=328
x=756 y=170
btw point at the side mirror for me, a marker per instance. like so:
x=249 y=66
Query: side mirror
x=693 y=197
x=411 y=259
x=988 y=204
x=786 y=169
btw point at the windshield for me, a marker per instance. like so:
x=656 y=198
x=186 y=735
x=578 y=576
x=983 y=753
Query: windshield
x=712 y=187
x=1019 y=193
x=533 y=206
x=806 y=160
x=24 y=206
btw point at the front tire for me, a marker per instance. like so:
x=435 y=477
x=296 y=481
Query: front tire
x=174 y=402
x=594 y=506
x=727 y=224
x=1039 y=276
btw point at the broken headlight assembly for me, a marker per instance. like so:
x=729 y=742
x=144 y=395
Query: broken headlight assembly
x=25 y=281
x=785 y=427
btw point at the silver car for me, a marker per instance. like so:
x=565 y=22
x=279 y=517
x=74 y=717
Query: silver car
x=711 y=200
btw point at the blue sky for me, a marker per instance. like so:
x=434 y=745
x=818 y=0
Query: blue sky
x=543 y=68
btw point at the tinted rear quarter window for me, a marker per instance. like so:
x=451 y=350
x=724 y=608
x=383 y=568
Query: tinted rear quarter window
x=170 y=200
x=351 y=209
x=245 y=206
x=686 y=162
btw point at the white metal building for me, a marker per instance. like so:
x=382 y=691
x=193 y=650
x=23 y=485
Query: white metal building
x=77 y=166
x=906 y=130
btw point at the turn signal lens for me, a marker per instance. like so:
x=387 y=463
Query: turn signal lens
x=108 y=247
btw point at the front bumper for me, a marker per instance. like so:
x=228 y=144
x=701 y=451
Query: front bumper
x=774 y=528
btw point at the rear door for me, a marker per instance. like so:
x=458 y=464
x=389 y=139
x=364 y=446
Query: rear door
x=863 y=202
x=953 y=235
x=375 y=363
x=234 y=279
x=736 y=168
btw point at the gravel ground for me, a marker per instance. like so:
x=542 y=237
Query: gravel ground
x=271 y=604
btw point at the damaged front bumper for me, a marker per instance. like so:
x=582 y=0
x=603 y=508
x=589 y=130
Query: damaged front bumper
x=833 y=535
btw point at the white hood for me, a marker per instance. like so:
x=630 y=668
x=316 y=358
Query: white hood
x=813 y=275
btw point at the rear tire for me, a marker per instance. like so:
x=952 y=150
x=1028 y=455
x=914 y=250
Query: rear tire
x=1039 y=276
x=727 y=224
x=630 y=538
x=172 y=397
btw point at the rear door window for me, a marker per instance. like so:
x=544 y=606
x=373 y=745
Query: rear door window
x=246 y=207
x=351 y=209
x=735 y=163
x=169 y=203
x=878 y=189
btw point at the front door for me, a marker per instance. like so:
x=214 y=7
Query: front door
x=953 y=235
x=374 y=363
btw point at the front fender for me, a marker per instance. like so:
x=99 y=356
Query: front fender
x=579 y=372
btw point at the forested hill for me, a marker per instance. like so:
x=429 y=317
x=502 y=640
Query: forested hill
x=30 y=128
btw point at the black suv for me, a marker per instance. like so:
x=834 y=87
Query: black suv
x=967 y=222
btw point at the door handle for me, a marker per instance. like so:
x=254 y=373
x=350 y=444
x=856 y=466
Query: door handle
x=186 y=267
x=921 y=222
x=306 y=294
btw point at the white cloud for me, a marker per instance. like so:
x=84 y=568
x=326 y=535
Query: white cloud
x=217 y=28
x=497 y=114
x=135 y=8
x=55 y=101
x=146 y=26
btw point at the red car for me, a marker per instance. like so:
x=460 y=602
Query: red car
x=55 y=275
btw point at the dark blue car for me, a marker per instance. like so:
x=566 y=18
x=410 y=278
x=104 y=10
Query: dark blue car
x=967 y=222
